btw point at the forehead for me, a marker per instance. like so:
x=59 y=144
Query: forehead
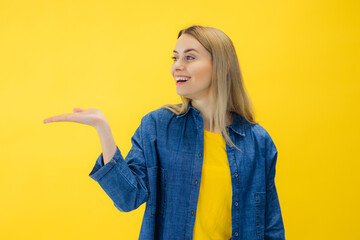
x=186 y=42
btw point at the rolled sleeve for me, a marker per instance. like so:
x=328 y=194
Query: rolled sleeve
x=99 y=170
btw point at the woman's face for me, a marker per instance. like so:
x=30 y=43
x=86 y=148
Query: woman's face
x=192 y=61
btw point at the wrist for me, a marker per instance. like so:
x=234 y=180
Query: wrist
x=102 y=125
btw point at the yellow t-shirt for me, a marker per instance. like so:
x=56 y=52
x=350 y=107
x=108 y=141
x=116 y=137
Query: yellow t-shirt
x=213 y=215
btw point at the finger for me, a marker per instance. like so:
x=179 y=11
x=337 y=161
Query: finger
x=78 y=110
x=60 y=118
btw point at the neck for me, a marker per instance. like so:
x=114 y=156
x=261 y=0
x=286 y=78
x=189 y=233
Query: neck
x=207 y=109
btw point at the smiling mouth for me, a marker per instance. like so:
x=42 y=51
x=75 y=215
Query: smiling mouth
x=181 y=82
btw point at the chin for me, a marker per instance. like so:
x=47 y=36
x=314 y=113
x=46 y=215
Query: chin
x=183 y=94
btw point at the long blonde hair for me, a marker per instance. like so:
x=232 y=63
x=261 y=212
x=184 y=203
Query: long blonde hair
x=227 y=81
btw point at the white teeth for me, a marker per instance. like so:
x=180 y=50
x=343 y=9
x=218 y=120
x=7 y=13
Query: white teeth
x=181 y=78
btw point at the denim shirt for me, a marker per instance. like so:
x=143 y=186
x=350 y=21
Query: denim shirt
x=163 y=168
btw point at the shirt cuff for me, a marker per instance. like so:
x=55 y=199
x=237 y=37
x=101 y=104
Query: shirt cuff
x=99 y=170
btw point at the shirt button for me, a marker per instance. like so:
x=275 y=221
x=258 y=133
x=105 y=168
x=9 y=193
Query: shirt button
x=200 y=155
x=192 y=212
x=236 y=203
x=236 y=175
x=236 y=234
x=196 y=182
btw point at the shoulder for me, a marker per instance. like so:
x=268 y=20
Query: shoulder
x=160 y=114
x=261 y=135
x=159 y=118
x=258 y=130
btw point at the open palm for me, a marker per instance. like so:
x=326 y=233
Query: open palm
x=91 y=116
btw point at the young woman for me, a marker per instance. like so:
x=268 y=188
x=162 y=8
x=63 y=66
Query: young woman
x=204 y=167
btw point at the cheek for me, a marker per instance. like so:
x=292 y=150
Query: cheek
x=203 y=72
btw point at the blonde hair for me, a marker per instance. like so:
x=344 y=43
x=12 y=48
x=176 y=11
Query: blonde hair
x=227 y=81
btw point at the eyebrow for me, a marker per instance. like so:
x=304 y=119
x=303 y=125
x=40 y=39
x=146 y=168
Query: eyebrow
x=188 y=50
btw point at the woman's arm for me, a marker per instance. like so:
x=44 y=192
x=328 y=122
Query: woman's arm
x=274 y=227
x=107 y=141
x=123 y=180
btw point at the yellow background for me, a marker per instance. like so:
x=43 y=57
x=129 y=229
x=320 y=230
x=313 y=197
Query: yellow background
x=300 y=62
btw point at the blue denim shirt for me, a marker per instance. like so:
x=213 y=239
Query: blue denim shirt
x=163 y=168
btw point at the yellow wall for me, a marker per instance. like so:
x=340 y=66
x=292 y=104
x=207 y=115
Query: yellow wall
x=300 y=62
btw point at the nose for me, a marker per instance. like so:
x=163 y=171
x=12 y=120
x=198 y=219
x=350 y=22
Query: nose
x=178 y=65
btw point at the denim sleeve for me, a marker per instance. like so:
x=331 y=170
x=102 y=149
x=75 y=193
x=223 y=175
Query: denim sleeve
x=274 y=227
x=124 y=180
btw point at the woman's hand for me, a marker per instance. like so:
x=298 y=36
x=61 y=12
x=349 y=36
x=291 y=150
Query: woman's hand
x=93 y=117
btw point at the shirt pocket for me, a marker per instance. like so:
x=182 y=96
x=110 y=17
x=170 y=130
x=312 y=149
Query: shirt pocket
x=157 y=185
x=260 y=203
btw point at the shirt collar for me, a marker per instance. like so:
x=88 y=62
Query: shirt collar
x=238 y=124
x=188 y=109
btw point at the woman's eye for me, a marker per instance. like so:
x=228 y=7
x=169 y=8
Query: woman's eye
x=174 y=58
